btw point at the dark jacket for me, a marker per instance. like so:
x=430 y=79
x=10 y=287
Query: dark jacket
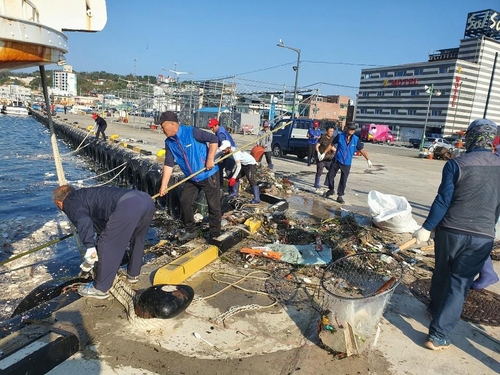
x=89 y=210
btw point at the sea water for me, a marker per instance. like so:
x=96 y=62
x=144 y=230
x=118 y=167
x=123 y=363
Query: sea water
x=28 y=217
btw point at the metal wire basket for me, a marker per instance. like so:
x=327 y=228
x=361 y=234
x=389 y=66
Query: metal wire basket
x=362 y=275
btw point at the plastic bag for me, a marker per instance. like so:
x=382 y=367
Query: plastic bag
x=391 y=212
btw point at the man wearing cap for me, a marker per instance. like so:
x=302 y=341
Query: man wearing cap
x=344 y=145
x=266 y=140
x=121 y=218
x=188 y=147
x=463 y=215
x=223 y=135
x=313 y=135
x=244 y=165
x=101 y=126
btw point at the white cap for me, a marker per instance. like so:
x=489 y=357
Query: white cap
x=225 y=144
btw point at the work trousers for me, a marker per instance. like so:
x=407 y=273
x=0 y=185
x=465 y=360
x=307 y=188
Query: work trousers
x=100 y=130
x=269 y=162
x=320 y=165
x=344 y=174
x=128 y=224
x=311 y=153
x=249 y=172
x=459 y=258
x=210 y=187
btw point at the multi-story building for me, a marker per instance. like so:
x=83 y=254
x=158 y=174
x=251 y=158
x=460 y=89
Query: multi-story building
x=326 y=107
x=442 y=95
x=64 y=82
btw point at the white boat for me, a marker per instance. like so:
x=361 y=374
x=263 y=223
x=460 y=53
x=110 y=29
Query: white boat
x=17 y=108
x=31 y=31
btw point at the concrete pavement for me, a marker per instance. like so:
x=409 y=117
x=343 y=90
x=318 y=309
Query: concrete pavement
x=279 y=340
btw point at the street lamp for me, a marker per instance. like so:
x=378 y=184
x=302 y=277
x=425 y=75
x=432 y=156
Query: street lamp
x=430 y=91
x=296 y=68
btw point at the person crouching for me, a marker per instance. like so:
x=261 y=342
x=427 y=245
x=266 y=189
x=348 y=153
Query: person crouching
x=244 y=165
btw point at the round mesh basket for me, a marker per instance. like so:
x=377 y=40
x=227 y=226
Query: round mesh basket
x=356 y=290
x=362 y=275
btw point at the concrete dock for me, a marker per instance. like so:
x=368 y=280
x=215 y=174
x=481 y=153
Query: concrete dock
x=280 y=339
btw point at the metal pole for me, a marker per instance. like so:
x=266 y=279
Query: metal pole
x=296 y=82
x=426 y=118
x=491 y=84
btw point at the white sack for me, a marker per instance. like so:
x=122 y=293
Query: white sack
x=391 y=212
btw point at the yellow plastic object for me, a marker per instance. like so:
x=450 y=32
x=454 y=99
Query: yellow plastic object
x=185 y=266
x=161 y=153
x=114 y=136
x=90 y=127
x=253 y=225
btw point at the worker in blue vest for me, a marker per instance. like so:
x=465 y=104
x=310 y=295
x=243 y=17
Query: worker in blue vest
x=223 y=135
x=193 y=150
x=344 y=145
x=313 y=135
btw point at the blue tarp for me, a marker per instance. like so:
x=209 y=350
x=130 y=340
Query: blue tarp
x=302 y=254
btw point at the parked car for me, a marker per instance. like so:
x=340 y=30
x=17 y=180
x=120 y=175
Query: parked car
x=437 y=142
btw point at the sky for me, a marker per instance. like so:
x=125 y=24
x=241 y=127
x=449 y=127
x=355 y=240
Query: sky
x=238 y=40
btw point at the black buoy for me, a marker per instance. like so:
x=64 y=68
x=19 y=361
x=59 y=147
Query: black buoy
x=163 y=301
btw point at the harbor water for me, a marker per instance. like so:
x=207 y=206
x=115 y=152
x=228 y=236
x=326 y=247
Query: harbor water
x=28 y=217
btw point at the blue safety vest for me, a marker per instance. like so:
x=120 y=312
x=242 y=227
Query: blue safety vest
x=222 y=134
x=189 y=154
x=345 y=151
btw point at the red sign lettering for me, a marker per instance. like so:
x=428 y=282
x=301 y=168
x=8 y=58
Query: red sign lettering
x=405 y=82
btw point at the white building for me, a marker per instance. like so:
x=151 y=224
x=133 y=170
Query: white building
x=462 y=84
x=64 y=82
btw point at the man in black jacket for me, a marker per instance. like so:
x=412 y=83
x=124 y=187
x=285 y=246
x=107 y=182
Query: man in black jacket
x=101 y=126
x=119 y=216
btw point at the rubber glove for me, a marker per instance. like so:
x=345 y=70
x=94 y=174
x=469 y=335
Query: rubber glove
x=91 y=255
x=369 y=162
x=422 y=235
x=232 y=181
x=321 y=157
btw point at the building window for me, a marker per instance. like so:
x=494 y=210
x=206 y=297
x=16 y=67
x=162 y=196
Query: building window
x=436 y=112
x=414 y=92
x=380 y=93
x=396 y=93
x=412 y=112
x=443 y=70
x=394 y=111
x=368 y=75
x=365 y=93
x=362 y=110
x=383 y=74
x=419 y=72
x=400 y=74
x=378 y=111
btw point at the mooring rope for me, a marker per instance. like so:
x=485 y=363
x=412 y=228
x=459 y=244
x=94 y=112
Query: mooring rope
x=123 y=293
x=233 y=310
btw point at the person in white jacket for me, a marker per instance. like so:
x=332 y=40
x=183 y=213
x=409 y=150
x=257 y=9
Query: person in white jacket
x=244 y=165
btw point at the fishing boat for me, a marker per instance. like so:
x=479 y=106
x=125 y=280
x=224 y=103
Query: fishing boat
x=16 y=108
x=32 y=31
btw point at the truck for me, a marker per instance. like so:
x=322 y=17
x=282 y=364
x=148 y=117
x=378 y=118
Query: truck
x=291 y=139
x=376 y=133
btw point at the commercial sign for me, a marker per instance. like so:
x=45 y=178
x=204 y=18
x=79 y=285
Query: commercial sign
x=402 y=82
x=456 y=90
x=484 y=22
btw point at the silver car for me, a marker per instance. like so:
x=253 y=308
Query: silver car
x=437 y=142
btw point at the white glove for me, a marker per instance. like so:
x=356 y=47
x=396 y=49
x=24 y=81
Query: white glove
x=369 y=162
x=91 y=255
x=321 y=157
x=422 y=235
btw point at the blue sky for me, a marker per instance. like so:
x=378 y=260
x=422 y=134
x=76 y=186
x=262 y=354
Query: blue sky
x=220 y=38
